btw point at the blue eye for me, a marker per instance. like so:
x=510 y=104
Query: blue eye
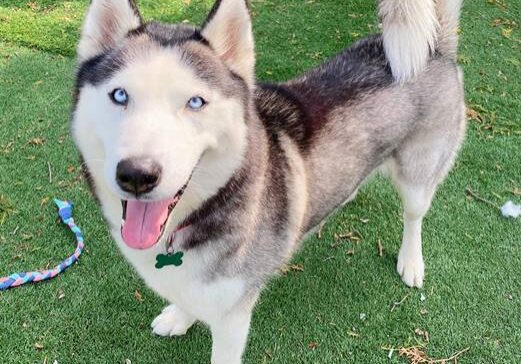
x=119 y=97
x=196 y=103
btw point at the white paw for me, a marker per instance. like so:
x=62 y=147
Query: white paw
x=172 y=322
x=411 y=268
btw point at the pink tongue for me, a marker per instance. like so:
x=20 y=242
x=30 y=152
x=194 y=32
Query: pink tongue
x=142 y=226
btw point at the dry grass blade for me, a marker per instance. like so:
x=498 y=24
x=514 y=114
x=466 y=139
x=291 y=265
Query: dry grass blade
x=416 y=355
x=353 y=236
x=50 y=172
x=396 y=304
x=6 y=208
x=479 y=198
x=516 y=191
x=291 y=268
x=320 y=228
x=380 y=248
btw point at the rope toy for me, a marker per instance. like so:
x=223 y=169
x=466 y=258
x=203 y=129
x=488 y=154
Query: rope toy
x=18 y=279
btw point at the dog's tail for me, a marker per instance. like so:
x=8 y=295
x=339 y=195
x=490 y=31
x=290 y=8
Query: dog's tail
x=413 y=30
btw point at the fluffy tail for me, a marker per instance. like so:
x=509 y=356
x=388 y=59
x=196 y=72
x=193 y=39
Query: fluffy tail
x=414 y=29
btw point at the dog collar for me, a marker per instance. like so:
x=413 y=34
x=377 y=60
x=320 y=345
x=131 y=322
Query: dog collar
x=171 y=257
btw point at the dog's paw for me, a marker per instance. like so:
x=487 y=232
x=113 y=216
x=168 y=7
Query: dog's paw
x=411 y=268
x=172 y=322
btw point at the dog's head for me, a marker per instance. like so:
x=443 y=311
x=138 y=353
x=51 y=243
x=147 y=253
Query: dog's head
x=156 y=103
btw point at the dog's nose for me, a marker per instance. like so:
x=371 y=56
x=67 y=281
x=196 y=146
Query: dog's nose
x=138 y=176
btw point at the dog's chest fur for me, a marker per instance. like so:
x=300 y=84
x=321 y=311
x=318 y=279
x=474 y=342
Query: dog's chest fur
x=188 y=285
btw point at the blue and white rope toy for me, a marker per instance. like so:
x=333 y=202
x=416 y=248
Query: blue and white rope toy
x=18 y=279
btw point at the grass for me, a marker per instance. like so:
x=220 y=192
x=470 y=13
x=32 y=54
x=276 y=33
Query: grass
x=339 y=308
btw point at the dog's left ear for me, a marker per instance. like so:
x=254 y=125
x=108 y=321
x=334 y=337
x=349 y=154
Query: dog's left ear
x=228 y=28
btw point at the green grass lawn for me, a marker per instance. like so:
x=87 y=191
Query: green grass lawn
x=336 y=305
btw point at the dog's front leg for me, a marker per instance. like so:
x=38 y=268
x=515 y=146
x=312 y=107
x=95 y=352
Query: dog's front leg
x=229 y=335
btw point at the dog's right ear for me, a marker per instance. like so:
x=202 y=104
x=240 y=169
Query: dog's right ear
x=107 y=23
x=228 y=29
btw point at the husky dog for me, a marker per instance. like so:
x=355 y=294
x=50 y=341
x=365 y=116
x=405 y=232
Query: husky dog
x=180 y=142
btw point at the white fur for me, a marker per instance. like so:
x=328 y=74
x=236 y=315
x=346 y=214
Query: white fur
x=230 y=335
x=230 y=34
x=448 y=15
x=410 y=29
x=410 y=266
x=107 y=22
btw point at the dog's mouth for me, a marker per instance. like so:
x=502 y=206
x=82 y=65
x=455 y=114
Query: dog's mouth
x=144 y=222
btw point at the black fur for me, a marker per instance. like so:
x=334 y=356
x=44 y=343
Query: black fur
x=275 y=198
x=301 y=108
x=211 y=220
x=357 y=71
x=98 y=69
x=171 y=35
x=281 y=109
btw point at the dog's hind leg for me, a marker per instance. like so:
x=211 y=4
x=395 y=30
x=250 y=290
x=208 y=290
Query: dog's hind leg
x=172 y=322
x=416 y=202
x=417 y=168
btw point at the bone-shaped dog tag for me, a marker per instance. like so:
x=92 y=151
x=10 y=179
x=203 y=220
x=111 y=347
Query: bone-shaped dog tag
x=175 y=259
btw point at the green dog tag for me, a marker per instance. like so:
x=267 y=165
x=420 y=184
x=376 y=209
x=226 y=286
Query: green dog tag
x=175 y=259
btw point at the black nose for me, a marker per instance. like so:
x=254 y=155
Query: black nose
x=138 y=176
